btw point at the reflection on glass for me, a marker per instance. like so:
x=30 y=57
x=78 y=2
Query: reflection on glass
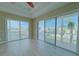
x=50 y=30
x=41 y=30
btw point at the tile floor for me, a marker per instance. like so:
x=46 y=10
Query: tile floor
x=30 y=47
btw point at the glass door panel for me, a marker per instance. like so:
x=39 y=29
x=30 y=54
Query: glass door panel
x=50 y=31
x=59 y=35
x=24 y=30
x=8 y=30
x=41 y=30
x=13 y=30
x=68 y=34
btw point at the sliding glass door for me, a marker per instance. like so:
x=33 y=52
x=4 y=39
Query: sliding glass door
x=17 y=30
x=60 y=31
x=13 y=30
x=59 y=34
x=24 y=30
x=41 y=30
x=50 y=30
x=67 y=31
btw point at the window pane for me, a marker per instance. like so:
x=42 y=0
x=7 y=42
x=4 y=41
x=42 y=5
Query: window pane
x=41 y=30
x=13 y=30
x=8 y=30
x=68 y=33
x=59 y=34
x=24 y=30
x=50 y=30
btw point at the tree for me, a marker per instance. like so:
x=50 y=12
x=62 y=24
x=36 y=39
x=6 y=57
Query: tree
x=71 y=27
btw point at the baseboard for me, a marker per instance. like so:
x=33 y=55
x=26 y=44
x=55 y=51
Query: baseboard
x=2 y=42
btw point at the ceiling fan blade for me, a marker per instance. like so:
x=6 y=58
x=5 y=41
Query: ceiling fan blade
x=30 y=4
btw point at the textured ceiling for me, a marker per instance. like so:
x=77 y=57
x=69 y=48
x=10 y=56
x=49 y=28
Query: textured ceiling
x=23 y=9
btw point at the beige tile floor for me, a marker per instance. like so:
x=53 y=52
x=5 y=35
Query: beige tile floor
x=30 y=47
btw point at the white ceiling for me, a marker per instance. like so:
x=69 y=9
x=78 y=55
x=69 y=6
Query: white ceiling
x=22 y=8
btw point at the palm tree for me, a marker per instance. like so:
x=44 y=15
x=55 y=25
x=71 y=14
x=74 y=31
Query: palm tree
x=71 y=27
